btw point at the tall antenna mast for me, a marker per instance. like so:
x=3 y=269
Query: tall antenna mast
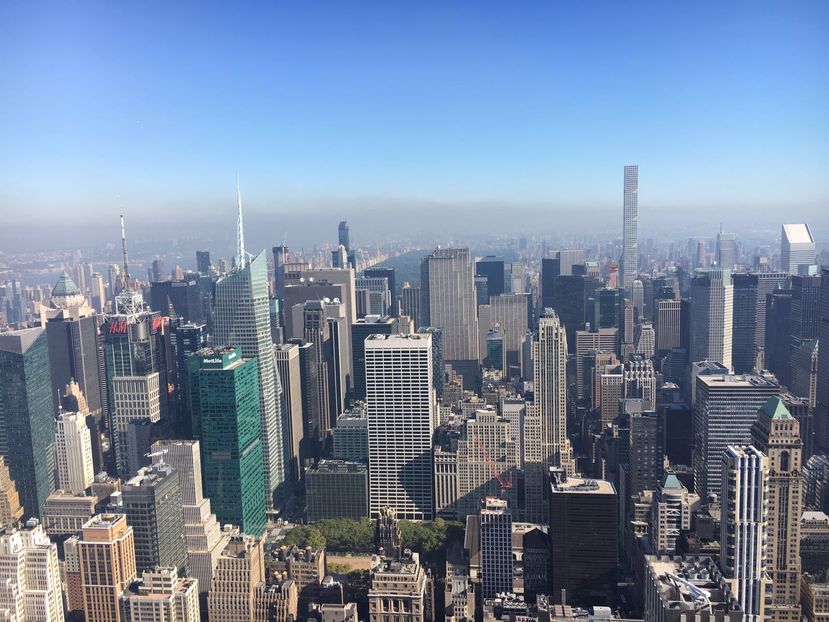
x=125 y=277
x=240 y=233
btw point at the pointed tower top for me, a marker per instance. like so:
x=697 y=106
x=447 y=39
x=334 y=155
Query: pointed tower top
x=776 y=409
x=241 y=258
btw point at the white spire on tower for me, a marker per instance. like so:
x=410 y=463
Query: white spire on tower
x=241 y=256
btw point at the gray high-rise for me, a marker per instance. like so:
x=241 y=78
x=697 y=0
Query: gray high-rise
x=712 y=308
x=447 y=283
x=153 y=506
x=630 y=253
x=243 y=321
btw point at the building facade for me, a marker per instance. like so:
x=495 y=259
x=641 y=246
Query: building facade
x=401 y=411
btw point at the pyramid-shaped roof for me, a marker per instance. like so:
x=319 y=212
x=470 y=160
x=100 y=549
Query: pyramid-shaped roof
x=670 y=480
x=776 y=409
x=65 y=287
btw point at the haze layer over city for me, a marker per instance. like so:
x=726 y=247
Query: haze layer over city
x=387 y=312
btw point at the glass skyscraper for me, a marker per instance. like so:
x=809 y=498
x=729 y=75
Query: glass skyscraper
x=226 y=419
x=243 y=321
x=27 y=425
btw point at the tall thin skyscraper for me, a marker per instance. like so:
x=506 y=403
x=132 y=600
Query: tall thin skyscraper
x=777 y=434
x=712 y=308
x=243 y=321
x=546 y=442
x=447 y=283
x=630 y=256
x=743 y=527
x=401 y=418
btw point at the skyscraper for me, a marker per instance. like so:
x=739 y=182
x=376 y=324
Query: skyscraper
x=73 y=453
x=496 y=547
x=315 y=331
x=671 y=511
x=27 y=424
x=226 y=420
x=410 y=304
x=492 y=268
x=153 y=507
x=241 y=567
x=487 y=462
x=203 y=264
x=724 y=411
x=203 y=536
x=777 y=434
x=546 y=443
x=161 y=595
x=370 y=325
x=72 y=333
x=288 y=366
x=745 y=472
x=822 y=393
x=10 y=509
x=243 y=321
x=749 y=317
x=797 y=247
x=135 y=368
x=30 y=576
x=583 y=534
x=401 y=406
x=106 y=558
x=712 y=307
x=726 y=250
x=630 y=231
x=447 y=285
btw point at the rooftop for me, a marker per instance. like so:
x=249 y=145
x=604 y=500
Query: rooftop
x=583 y=486
x=798 y=234
x=776 y=409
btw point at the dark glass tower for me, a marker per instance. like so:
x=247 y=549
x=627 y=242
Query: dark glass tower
x=27 y=424
x=492 y=268
x=225 y=397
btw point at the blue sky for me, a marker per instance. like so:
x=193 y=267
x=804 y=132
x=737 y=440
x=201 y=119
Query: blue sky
x=157 y=104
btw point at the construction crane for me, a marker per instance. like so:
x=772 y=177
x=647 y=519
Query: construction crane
x=502 y=482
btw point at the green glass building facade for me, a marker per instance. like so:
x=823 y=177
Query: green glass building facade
x=226 y=419
x=27 y=423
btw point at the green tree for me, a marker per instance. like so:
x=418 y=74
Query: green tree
x=304 y=536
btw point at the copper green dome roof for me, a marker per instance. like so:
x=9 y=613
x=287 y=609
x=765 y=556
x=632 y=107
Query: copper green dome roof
x=65 y=287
